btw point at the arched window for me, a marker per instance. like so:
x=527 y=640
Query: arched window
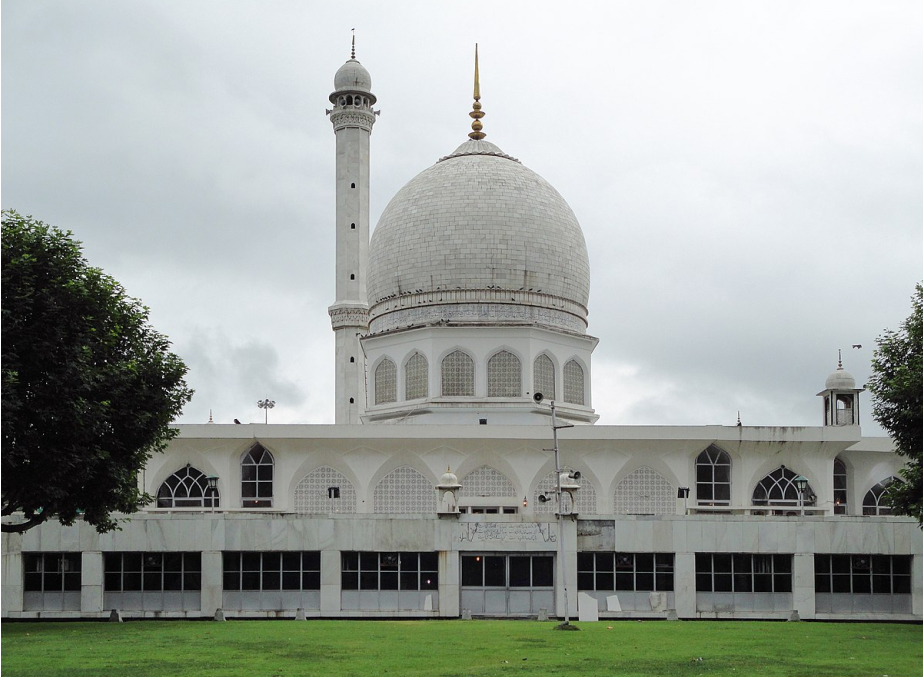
x=385 y=382
x=713 y=477
x=543 y=376
x=778 y=489
x=875 y=501
x=457 y=375
x=186 y=488
x=416 y=378
x=839 y=487
x=504 y=375
x=256 y=478
x=573 y=383
x=645 y=492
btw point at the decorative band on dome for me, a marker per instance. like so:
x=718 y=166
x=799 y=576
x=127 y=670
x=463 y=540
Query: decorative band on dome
x=477 y=147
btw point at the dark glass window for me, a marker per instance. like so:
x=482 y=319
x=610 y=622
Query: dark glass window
x=152 y=571
x=713 y=477
x=271 y=570
x=876 y=500
x=840 y=506
x=389 y=571
x=862 y=574
x=778 y=489
x=742 y=572
x=256 y=471
x=51 y=571
x=514 y=571
x=632 y=571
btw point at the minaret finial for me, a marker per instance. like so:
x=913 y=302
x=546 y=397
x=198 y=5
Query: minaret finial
x=839 y=359
x=353 y=53
x=477 y=114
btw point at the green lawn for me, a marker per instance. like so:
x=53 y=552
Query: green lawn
x=458 y=648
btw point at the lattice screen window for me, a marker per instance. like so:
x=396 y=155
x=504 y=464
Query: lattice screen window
x=457 y=375
x=586 y=496
x=404 y=490
x=504 y=375
x=543 y=376
x=416 y=378
x=645 y=492
x=313 y=494
x=385 y=382
x=486 y=481
x=573 y=383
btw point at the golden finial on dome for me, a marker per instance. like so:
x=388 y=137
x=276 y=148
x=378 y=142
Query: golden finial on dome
x=477 y=113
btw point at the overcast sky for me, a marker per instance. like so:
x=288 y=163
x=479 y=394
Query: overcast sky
x=748 y=176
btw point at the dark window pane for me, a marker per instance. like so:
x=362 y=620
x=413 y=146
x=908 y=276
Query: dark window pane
x=723 y=492
x=231 y=561
x=585 y=561
x=901 y=585
x=472 y=571
x=495 y=571
x=761 y=583
x=112 y=561
x=429 y=561
x=840 y=564
x=250 y=580
x=841 y=583
x=520 y=574
x=703 y=582
x=722 y=583
x=702 y=562
x=264 y=474
x=131 y=581
x=131 y=561
x=388 y=580
x=743 y=583
x=231 y=580
x=310 y=580
x=861 y=583
x=33 y=581
x=704 y=492
x=410 y=580
x=247 y=473
x=900 y=564
x=410 y=561
x=783 y=582
x=703 y=473
x=782 y=564
x=881 y=564
x=723 y=474
x=664 y=582
x=605 y=580
x=264 y=490
x=644 y=581
x=624 y=581
x=429 y=580
x=291 y=580
x=192 y=561
x=248 y=490
x=881 y=584
x=310 y=561
x=585 y=581
x=368 y=561
x=350 y=580
x=112 y=582
x=388 y=561
x=173 y=561
x=368 y=580
x=250 y=561
x=153 y=581
x=272 y=561
x=822 y=583
x=721 y=563
x=644 y=562
x=153 y=561
x=605 y=561
x=272 y=580
x=624 y=562
x=350 y=561
x=192 y=580
x=743 y=564
x=542 y=572
x=172 y=580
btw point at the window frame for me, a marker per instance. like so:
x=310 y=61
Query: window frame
x=264 y=567
x=52 y=572
x=714 y=458
x=626 y=571
x=737 y=572
x=209 y=498
x=259 y=481
x=135 y=571
x=386 y=571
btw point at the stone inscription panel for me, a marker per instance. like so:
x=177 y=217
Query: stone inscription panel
x=493 y=532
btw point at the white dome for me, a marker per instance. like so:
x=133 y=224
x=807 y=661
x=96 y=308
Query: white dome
x=352 y=77
x=480 y=228
x=841 y=380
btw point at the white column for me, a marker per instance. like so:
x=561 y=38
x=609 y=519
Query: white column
x=803 y=585
x=449 y=584
x=569 y=569
x=330 y=581
x=12 y=576
x=91 y=583
x=212 y=582
x=684 y=584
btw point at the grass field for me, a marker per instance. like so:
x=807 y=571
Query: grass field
x=458 y=648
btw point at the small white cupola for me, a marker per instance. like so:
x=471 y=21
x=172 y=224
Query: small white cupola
x=841 y=397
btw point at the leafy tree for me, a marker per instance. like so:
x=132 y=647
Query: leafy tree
x=897 y=386
x=89 y=387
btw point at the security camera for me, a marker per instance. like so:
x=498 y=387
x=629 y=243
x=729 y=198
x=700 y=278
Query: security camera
x=538 y=397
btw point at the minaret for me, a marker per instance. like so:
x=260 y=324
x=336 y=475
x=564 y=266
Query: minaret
x=841 y=397
x=352 y=117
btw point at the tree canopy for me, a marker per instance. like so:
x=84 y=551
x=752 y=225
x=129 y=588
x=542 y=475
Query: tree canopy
x=897 y=386
x=89 y=387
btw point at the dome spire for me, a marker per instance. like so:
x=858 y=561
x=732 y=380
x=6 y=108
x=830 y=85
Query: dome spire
x=477 y=114
x=352 y=54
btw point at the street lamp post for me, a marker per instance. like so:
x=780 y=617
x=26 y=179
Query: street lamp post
x=266 y=405
x=213 y=488
x=801 y=483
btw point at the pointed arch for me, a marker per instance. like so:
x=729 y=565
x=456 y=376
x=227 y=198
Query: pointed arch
x=486 y=481
x=644 y=491
x=187 y=488
x=778 y=489
x=257 y=467
x=713 y=477
x=585 y=499
x=457 y=375
x=543 y=376
x=574 y=383
x=416 y=377
x=875 y=501
x=313 y=495
x=404 y=490
x=385 y=382
x=504 y=375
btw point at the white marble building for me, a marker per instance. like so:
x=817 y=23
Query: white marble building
x=469 y=299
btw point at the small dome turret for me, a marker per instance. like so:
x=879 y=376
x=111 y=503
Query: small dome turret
x=841 y=380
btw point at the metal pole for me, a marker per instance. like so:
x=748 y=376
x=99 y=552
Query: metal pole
x=557 y=468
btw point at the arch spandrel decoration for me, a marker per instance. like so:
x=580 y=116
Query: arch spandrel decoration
x=402 y=491
x=486 y=481
x=644 y=492
x=585 y=497
x=312 y=495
